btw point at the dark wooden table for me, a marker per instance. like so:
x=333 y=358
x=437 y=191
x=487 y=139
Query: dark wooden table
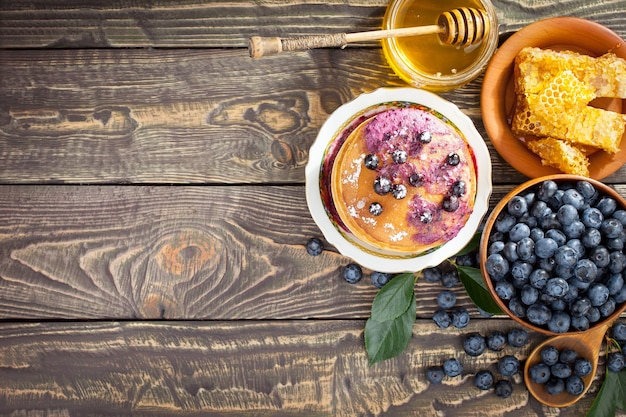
x=153 y=217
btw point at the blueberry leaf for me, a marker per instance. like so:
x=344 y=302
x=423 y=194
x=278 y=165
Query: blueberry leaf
x=394 y=298
x=474 y=284
x=386 y=339
x=612 y=395
x=471 y=246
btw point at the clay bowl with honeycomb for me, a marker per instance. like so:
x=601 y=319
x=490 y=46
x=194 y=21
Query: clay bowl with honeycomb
x=498 y=96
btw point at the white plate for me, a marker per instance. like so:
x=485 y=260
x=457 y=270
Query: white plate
x=346 y=117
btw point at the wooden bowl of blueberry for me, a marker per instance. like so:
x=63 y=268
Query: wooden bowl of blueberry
x=552 y=256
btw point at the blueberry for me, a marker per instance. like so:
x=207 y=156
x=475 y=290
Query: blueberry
x=591 y=237
x=452 y=367
x=538 y=314
x=567 y=214
x=496 y=247
x=517 y=337
x=382 y=185
x=546 y=190
x=446 y=299
x=416 y=180
x=505 y=290
x=539 y=373
x=483 y=380
x=582 y=367
x=372 y=161
x=458 y=188
x=352 y=273
x=600 y=256
x=580 y=323
x=399 y=156
x=556 y=200
x=517 y=307
x=517 y=206
x=620 y=297
x=549 y=355
x=556 y=287
x=555 y=386
x=497 y=267
x=460 y=317
x=592 y=217
x=504 y=222
x=617 y=262
x=442 y=319
x=540 y=209
x=607 y=308
x=398 y=191
x=578 y=247
x=529 y=294
x=504 y=388
x=620 y=215
x=379 y=279
x=618 y=332
x=519 y=231
x=565 y=256
x=615 y=362
x=580 y=306
x=510 y=251
x=549 y=222
x=607 y=205
x=586 y=189
x=574 y=385
x=539 y=278
x=453 y=159
x=561 y=370
x=546 y=247
x=585 y=270
x=598 y=294
x=432 y=274
x=559 y=322
x=496 y=341
x=593 y=315
x=450 y=278
x=611 y=228
x=558 y=305
x=568 y=355
x=435 y=374
x=425 y=137
x=375 y=209
x=508 y=365
x=574 y=230
x=474 y=344
x=520 y=272
x=574 y=198
x=314 y=246
x=526 y=249
x=536 y=233
x=558 y=236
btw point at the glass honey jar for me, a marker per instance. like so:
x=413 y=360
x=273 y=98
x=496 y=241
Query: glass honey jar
x=426 y=61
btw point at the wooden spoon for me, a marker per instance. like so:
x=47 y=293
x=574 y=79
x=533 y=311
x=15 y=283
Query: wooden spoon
x=587 y=344
x=459 y=27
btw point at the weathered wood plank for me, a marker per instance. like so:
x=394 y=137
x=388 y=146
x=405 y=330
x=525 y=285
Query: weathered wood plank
x=182 y=116
x=170 y=23
x=246 y=368
x=218 y=253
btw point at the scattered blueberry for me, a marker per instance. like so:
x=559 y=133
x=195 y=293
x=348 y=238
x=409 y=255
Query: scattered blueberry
x=450 y=203
x=574 y=385
x=425 y=137
x=504 y=388
x=496 y=341
x=508 y=365
x=446 y=299
x=460 y=317
x=517 y=338
x=398 y=191
x=453 y=159
x=450 y=278
x=618 y=331
x=549 y=355
x=582 y=367
x=615 y=362
x=432 y=275
x=459 y=188
x=314 y=246
x=483 y=379
x=474 y=344
x=382 y=185
x=352 y=273
x=435 y=374
x=452 y=367
x=399 y=156
x=442 y=319
x=539 y=373
x=416 y=180
x=376 y=209
x=379 y=279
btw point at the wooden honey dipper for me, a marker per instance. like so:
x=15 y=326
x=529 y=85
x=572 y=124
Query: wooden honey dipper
x=459 y=27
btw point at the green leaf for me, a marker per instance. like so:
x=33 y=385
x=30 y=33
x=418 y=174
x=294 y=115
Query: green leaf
x=471 y=246
x=474 y=284
x=612 y=395
x=394 y=298
x=384 y=340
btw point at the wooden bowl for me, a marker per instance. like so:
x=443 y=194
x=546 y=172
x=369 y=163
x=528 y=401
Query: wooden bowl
x=498 y=96
x=489 y=227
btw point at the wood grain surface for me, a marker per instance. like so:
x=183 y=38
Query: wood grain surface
x=153 y=217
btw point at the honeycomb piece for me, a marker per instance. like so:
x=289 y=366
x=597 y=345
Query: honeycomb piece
x=560 y=110
x=560 y=155
x=535 y=66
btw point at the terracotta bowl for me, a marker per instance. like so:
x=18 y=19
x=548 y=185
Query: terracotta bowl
x=498 y=96
x=489 y=229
